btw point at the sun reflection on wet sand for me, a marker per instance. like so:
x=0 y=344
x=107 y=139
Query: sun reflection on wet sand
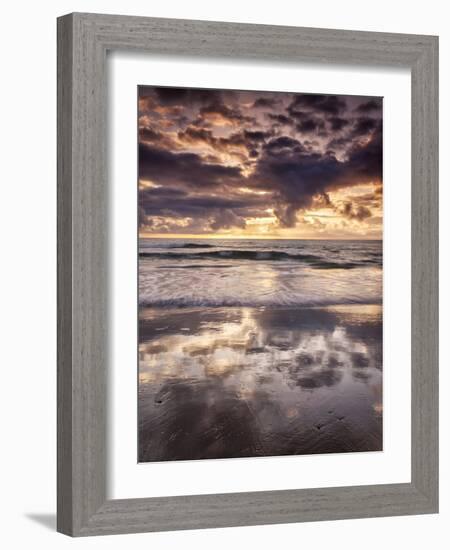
x=240 y=382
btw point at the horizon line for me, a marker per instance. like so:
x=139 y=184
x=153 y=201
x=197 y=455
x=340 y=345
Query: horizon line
x=243 y=237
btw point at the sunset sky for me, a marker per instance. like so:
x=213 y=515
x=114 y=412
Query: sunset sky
x=259 y=164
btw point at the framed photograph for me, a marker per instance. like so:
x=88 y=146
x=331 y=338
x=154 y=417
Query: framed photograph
x=253 y=341
x=247 y=274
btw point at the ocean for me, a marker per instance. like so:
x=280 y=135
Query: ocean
x=214 y=273
x=253 y=348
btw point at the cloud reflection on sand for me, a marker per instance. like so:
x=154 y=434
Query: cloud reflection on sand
x=238 y=382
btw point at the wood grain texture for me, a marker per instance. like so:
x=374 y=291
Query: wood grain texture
x=424 y=280
x=64 y=251
x=83 y=197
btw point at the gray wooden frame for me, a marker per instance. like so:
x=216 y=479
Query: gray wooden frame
x=83 y=41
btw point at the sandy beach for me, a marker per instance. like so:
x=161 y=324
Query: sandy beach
x=259 y=381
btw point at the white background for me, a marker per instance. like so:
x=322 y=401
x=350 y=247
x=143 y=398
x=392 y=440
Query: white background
x=393 y=465
x=28 y=230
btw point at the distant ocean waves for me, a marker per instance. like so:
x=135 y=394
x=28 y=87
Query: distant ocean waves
x=262 y=255
x=174 y=273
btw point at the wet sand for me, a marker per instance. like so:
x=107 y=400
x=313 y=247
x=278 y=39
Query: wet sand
x=246 y=382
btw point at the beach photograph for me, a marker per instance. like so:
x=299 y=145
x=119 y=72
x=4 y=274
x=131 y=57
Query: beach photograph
x=260 y=274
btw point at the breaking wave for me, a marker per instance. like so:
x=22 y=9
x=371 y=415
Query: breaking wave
x=174 y=273
x=257 y=255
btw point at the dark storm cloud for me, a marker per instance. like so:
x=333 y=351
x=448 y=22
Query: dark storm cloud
x=257 y=135
x=182 y=96
x=265 y=102
x=248 y=139
x=366 y=161
x=158 y=138
x=275 y=146
x=368 y=106
x=280 y=118
x=339 y=143
x=165 y=167
x=218 y=158
x=233 y=115
x=365 y=125
x=185 y=203
x=328 y=104
x=148 y=134
x=338 y=123
x=226 y=219
x=308 y=125
x=355 y=130
x=209 y=213
x=296 y=176
x=197 y=134
x=306 y=121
